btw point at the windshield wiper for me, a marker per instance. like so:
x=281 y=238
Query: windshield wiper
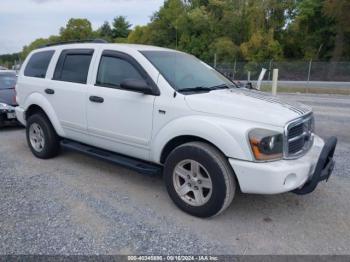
x=223 y=86
x=205 y=89
x=196 y=89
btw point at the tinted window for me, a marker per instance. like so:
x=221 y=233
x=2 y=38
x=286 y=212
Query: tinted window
x=75 y=68
x=73 y=65
x=38 y=64
x=113 y=71
x=7 y=81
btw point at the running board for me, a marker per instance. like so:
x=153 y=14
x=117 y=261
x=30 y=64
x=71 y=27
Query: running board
x=139 y=166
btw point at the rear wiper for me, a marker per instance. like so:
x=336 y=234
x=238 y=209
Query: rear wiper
x=196 y=89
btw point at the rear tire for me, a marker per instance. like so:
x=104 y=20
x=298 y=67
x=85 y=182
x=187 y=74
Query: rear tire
x=199 y=179
x=41 y=137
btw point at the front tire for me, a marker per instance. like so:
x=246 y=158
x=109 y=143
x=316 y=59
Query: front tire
x=199 y=179
x=41 y=137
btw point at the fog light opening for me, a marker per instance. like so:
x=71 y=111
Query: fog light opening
x=290 y=180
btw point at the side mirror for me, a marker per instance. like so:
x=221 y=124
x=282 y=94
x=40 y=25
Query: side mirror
x=137 y=85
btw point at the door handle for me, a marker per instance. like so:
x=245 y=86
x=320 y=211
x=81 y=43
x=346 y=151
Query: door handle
x=96 y=99
x=49 y=91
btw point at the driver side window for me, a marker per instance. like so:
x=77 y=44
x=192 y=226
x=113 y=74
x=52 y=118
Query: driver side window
x=113 y=71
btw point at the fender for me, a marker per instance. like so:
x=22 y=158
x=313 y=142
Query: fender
x=41 y=101
x=209 y=128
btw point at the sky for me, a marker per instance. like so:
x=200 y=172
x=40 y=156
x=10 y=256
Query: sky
x=23 y=21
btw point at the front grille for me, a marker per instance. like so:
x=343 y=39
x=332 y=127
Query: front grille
x=295 y=131
x=299 y=136
x=295 y=146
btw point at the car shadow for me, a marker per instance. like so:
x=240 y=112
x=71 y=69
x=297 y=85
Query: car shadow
x=11 y=127
x=261 y=210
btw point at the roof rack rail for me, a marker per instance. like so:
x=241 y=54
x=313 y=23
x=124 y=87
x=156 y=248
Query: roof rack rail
x=95 y=41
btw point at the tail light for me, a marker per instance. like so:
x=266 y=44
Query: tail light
x=14 y=99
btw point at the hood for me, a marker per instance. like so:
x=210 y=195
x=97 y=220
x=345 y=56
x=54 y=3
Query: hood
x=248 y=105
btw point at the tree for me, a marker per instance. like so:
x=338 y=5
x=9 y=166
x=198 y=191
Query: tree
x=255 y=30
x=310 y=34
x=77 y=29
x=105 y=31
x=9 y=60
x=195 y=34
x=225 y=49
x=140 y=35
x=34 y=45
x=208 y=27
x=261 y=47
x=121 y=27
x=339 y=11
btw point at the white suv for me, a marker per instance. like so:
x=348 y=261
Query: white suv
x=159 y=110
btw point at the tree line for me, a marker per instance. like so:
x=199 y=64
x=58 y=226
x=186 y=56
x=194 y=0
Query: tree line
x=250 y=30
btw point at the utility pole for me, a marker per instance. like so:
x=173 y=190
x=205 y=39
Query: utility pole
x=270 y=68
x=309 y=76
x=274 y=82
x=234 y=69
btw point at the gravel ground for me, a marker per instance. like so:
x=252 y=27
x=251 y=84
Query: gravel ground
x=75 y=204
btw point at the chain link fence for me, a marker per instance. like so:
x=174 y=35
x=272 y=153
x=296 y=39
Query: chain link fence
x=289 y=70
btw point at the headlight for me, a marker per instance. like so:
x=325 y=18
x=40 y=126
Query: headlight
x=3 y=106
x=266 y=144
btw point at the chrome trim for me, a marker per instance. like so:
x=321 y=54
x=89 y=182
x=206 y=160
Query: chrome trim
x=304 y=119
x=297 y=137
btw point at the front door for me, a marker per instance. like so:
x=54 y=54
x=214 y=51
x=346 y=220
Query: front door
x=119 y=120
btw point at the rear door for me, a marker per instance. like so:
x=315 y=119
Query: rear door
x=67 y=90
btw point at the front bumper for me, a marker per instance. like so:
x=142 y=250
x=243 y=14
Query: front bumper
x=287 y=175
x=324 y=168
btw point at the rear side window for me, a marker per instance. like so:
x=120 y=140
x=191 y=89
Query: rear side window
x=38 y=64
x=113 y=71
x=73 y=66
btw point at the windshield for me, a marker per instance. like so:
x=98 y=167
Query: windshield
x=7 y=81
x=184 y=71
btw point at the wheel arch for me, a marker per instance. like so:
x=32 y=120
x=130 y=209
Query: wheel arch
x=184 y=139
x=195 y=128
x=32 y=109
x=38 y=103
x=181 y=140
